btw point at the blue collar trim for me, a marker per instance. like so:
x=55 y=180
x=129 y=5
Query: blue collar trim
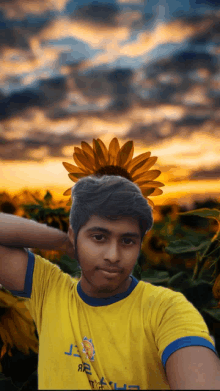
x=99 y=302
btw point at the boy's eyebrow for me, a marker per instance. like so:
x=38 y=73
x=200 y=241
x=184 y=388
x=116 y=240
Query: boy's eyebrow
x=105 y=230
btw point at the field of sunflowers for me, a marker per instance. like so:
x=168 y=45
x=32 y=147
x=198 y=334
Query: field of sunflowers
x=181 y=252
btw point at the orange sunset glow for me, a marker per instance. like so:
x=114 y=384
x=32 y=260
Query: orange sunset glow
x=126 y=69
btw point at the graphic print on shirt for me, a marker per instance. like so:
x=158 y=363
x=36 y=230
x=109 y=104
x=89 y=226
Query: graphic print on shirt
x=88 y=348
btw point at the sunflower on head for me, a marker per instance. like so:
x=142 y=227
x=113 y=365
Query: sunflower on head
x=115 y=161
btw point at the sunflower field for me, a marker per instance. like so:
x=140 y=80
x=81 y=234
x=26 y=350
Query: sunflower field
x=181 y=252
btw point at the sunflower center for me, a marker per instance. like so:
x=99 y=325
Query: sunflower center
x=113 y=170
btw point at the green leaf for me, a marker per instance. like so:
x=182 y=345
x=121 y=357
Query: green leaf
x=184 y=246
x=178 y=279
x=205 y=212
x=48 y=197
x=214 y=313
x=155 y=276
x=137 y=271
x=68 y=265
x=38 y=201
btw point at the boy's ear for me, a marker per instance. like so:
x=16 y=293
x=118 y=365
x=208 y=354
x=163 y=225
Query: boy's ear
x=71 y=234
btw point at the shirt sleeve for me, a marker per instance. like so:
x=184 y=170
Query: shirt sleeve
x=42 y=276
x=177 y=324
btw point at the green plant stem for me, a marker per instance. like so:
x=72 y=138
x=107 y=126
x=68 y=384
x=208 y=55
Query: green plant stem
x=201 y=260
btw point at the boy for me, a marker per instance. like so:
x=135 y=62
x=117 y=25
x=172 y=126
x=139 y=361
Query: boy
x=109 y=330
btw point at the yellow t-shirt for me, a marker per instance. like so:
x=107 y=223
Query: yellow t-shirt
x=121 y=342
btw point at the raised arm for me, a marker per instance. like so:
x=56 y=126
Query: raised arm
x=18 y=233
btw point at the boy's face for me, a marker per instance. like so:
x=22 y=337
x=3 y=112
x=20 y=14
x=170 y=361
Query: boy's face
x=101 y=250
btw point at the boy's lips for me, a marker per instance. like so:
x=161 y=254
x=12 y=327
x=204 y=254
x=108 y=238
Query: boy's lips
x=111 y=270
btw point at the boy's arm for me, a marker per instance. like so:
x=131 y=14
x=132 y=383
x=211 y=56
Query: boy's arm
x=16 y=234
x=19 y=232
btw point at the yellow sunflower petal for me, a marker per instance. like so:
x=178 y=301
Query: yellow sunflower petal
x=126 y=153
x=152 y=184
x=72 y=168
x=83 y=153
x=104 y=149
x=26 y=330
x=6 y=299
x=16 y=335
x=137 y=160
x=113 y=151
x=76 y=177
x=3 y=351
x=157 y=192
x=142 y=171
x=68 y=191
x=148 y=191
x=17 y=328
x=77 y=150
x=23 y=312
x=149 y=176
x=69 y=203
x=5 y=331
x=150 y=202
x=90 y=159
x=82 y=162
x=99 y=156
x=138 y=166
x=87 y=148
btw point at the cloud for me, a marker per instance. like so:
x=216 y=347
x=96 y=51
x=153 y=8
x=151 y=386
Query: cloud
x=48 y=92
x=97 y=12
x=71 y=70
x=206 y=174
x=15 y=9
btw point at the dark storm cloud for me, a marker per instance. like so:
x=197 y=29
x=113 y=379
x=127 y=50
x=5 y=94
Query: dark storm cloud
x=12 y=36
x=94 y=83
x=189 y=60
x=182 y=63
x=16 y=103
x=152 y=133
x=155 y=131
x=116 y=83
x=120 y=80
x=21 y=149
x=192 y=121
x=47 y=93
x=17 y=33
x=97 y=12
x=209 y=3
x=172 y=68
x=206 y=174
x=210 y=35
x=53 y=89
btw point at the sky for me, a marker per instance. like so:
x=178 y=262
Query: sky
x=146 y=71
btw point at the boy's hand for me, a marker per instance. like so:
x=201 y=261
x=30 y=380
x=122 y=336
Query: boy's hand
x=67 y=248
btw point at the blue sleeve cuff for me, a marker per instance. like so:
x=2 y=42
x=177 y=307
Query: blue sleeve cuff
x=28 y=278
x=182 y=343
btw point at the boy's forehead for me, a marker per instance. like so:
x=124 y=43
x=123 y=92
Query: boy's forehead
x=117 y=220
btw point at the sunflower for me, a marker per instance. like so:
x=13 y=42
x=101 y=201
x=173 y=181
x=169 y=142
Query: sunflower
x=115 y=161
x=16 y=325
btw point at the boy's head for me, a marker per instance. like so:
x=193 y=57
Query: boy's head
x=116 y=204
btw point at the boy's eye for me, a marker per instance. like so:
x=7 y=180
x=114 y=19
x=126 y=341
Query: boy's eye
x=98 y=236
